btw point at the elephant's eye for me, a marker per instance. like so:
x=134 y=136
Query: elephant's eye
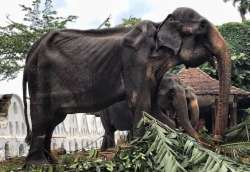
x=203 y=24
x=171 y=19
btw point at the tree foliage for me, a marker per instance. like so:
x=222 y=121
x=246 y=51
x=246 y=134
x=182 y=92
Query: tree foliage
x=16 y=38
x=243 y=7
x=237 y=36
x=105 y=23
x=131 y=21
x=126 y=22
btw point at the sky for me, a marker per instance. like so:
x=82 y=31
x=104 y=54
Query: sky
x=92 y=13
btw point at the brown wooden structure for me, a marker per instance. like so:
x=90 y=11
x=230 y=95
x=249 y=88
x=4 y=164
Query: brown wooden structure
x=207 y=90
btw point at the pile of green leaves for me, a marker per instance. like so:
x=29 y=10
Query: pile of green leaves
x=161 y=149
x=238 y=141
x=239 y=132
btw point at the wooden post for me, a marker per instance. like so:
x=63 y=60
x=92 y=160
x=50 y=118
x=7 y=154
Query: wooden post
x=213 y=115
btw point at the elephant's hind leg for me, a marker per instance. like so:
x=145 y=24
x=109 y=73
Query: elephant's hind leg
x=38 y=154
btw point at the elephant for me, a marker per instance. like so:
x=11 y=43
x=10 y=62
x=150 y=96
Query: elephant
x=69 y=71
x=171 y=95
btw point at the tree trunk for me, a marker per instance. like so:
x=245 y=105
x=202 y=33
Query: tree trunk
x=242 y=15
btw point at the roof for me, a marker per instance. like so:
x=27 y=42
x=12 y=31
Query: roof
x=4 y=104
x=203 y=84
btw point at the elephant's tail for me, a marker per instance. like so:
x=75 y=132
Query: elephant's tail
x=28 y=136
x=29 y=57
x=25 y=83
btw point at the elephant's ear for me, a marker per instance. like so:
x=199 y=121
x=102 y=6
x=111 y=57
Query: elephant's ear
x=168 y=35
x=139 y=34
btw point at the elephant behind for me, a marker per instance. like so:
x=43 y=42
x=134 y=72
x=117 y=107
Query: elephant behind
x=171 y=96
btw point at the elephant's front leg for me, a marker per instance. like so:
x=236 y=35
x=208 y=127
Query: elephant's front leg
x=108 y=140
x=143 y=106
x=143 y=103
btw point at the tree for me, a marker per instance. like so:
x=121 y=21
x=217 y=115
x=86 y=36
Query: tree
x=16 y=38
x=243 y=7
x=106 y=23
x=131 y=21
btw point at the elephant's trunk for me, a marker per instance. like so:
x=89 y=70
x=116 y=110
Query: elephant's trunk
x=220 y=50
x=181 y=109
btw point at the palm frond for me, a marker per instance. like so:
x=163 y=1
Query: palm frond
x=240 y=132
x=175 y=151
x=236 y=150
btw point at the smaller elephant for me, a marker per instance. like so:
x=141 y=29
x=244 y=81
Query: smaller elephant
x=175 y=104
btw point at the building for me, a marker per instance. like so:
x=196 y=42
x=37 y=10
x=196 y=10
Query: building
x=12 y=127
x=207 y=90
x=76 y=132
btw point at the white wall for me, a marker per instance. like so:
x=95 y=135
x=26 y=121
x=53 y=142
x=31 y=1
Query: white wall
x=13 y=131
x=76 y=132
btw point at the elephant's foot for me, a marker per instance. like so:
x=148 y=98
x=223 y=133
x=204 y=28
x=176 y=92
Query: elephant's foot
x=108 y=142
x=104 y=145
x=39 y=157
x=53 y=159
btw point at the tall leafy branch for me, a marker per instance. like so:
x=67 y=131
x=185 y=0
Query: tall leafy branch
x=16 y=38
x=243 y=7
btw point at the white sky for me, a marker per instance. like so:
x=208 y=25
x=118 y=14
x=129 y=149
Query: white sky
x=92 y=13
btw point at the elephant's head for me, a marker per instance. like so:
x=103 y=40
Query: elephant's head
x=179 y=102
x=193 y=40
x=184 y=37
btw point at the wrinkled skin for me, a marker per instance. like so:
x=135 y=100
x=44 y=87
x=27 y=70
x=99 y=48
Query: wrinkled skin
x=170 y=97
x=70 y=71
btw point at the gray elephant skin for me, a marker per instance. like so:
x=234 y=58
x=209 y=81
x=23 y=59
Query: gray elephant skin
x=70 y=71
x=172 y=97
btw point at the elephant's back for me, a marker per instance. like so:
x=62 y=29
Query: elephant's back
x=77 y=67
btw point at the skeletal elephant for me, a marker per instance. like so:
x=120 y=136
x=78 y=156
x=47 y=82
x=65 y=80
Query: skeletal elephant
x=70 y=71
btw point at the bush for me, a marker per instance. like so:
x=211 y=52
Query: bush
x=238 y=37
